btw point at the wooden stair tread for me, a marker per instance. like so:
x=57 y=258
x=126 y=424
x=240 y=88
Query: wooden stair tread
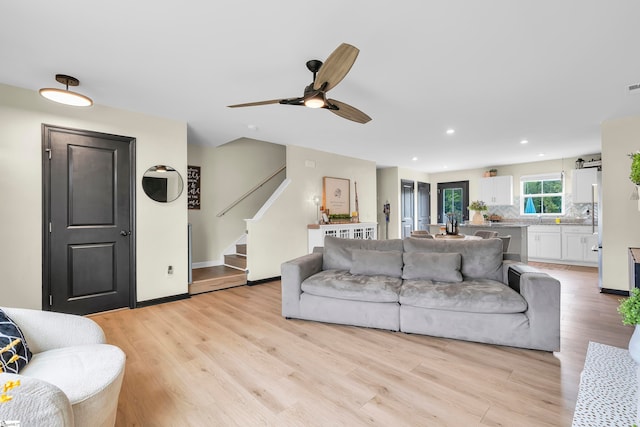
x=215 y=278
x=236 y=260
x=241 y=248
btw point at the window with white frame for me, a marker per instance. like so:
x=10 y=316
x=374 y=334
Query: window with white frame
x=542 y=194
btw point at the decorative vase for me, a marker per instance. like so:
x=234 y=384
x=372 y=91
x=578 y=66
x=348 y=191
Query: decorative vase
x=634 y=345
x=477 y=218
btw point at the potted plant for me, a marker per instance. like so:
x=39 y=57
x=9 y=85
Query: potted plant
x=493 y=172
x=629 y=309
x=477 y=207
x=634 y=175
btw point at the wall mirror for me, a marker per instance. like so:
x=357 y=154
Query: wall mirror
x=162 y=183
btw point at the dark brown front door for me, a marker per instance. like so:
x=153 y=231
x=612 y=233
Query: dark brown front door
x=424 y=206
x=407 y=207
x=88 y=221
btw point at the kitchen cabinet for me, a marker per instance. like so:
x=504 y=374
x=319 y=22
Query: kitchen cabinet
x=563 y=244
x=577 y=242
x=545 y=242
x=582 y=182
x=497 y=190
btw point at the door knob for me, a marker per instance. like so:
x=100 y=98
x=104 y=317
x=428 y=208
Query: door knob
x=124 y=233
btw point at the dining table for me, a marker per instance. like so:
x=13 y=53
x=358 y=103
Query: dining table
x=456 y=237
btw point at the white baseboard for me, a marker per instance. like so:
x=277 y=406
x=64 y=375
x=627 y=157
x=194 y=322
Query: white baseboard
x=205 y=264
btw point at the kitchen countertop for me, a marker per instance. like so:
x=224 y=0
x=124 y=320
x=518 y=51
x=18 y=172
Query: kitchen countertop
x=496 y=224
x=516 y=223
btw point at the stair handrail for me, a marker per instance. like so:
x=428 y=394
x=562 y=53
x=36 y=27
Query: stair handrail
x=248 y=193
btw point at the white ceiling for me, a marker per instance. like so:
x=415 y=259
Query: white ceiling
x=497 y=71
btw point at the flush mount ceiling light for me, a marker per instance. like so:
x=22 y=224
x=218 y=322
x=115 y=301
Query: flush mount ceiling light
x=65 y=96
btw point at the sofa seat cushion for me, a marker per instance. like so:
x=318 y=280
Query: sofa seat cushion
x=473 y=296
x=344 y=285
x=79 y=371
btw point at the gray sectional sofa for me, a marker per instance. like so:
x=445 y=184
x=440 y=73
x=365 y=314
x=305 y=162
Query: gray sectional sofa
x=460 y=289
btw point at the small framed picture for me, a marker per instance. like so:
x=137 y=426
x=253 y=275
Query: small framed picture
x=335 y=195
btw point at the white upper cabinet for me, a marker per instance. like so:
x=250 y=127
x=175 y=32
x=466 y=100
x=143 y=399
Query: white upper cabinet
x=582 y=184
x=497 y=190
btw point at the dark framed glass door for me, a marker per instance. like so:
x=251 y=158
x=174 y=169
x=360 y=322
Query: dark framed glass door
x=453 y=199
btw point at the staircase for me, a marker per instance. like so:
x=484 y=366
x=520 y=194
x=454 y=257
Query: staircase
x=232 y=274
x=239 y=259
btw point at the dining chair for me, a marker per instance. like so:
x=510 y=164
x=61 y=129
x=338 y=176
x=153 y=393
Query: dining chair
x=505 y=242
x=486 y=234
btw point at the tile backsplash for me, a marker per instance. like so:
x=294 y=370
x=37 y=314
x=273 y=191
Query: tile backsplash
x=575 y=213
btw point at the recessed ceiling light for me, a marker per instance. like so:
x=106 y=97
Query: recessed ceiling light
x=445 y=167
x=414 y=158
x=451 y=131
x=252 y=127
x=524 y=141
x=541 y=155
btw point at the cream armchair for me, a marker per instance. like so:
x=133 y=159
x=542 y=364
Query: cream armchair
x=73 y=378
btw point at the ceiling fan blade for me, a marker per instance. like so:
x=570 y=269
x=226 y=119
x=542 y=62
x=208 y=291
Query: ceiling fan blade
x=348 y=112
x=336 y=66
x=252 y=104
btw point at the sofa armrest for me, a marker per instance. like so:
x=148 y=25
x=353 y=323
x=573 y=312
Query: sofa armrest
x=35 y=403
x=46 y=330
x=542 y=293
x=293 y=273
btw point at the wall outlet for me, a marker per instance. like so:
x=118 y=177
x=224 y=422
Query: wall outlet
x=170 y=270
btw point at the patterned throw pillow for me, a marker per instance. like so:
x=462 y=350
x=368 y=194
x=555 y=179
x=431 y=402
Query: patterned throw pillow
x=14 y=353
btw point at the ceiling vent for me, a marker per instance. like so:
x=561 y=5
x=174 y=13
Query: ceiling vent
x=634 y=89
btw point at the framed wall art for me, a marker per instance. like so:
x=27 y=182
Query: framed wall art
x=335 y=195
x=193 y=187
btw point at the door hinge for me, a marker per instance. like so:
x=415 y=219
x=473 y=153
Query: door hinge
x=48 y=150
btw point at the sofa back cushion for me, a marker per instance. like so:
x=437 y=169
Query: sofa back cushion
x=337 y=251
x=376 y=263
x=480 y=259
x=439 y=267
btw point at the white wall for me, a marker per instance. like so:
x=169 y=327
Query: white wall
x=516 y=170
x=281 y=234
x=619 y=214
x=161 y=228
x=228 y=172
x=389 y=190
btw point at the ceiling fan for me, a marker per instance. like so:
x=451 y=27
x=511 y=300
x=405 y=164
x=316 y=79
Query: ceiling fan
x=325 y=77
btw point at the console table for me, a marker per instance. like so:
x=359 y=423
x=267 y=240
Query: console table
x=354 y=230
x=608 y=394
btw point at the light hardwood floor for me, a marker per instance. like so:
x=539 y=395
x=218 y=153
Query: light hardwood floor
x=228 y=358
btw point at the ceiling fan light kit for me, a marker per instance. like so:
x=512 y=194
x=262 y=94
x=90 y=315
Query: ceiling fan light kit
x=325 y=77
x=316 y=101
x=65 y=96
